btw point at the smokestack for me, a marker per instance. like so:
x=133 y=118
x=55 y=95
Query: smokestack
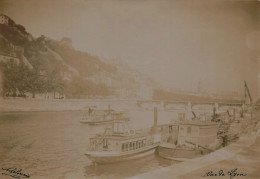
x=214 y=113
x=155 y=117
x=234 y=113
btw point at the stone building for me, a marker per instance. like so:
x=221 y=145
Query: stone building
x=4 y=19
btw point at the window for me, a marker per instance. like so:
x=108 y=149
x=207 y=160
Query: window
x=126 y=147
x=134 y=145
x=170 y=129
x=131 y=146
x=105 y=146
x=123 y=147
x=189 y=130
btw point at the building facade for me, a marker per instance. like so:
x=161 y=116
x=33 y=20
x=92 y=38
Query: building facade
x=4 y=19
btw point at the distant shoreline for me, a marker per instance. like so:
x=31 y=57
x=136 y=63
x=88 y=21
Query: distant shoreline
x=48 y=105
x=42 y=105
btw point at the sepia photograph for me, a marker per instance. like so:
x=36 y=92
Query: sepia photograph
x=130 y=89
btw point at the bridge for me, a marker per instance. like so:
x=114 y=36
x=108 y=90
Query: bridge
x=166 y=104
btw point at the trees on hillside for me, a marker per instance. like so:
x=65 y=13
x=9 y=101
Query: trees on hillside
x=19 y=79
x=14 y=78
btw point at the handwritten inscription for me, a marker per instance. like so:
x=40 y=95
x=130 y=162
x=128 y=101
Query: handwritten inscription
x=15 y=173
x=231 y=173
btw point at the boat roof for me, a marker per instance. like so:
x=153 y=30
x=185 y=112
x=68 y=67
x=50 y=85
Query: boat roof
x=198 y=123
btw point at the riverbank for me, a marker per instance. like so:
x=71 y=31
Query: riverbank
x=243 y=155
x=22 y=105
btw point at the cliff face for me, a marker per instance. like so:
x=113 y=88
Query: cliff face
x=42 y=52
x=47 y=57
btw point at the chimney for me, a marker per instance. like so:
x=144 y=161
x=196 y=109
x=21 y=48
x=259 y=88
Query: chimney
x=155 y=117
x=214 y=113
x=234 y=113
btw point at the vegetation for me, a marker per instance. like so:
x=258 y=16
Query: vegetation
x=19 y=79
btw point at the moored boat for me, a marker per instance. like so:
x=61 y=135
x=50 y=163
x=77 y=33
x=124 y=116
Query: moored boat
x=121 y=142
x=95 y=117
x=189 y=139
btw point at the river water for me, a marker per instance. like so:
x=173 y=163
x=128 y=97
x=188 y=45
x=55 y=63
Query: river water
x=52 y=145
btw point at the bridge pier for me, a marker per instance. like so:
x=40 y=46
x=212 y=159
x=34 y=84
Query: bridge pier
x=243 y=107
x=216 y=107
x=234 y=113
x=189 y=106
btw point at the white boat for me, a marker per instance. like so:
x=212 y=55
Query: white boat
x=121 y=143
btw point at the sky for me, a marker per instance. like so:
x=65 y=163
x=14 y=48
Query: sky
x=177 y=43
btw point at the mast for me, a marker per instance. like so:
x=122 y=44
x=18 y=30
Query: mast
x=247 y=92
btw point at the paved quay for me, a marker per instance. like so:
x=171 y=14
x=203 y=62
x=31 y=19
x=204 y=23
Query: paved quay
x=243 y=155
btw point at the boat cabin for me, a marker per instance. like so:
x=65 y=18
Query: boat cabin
x=121 y=138
x=169 y=132
x=202 y=133
x=119 y=143
x=181 y=116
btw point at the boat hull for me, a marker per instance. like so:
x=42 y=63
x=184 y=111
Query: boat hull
x=110 y=157
x=178 y=154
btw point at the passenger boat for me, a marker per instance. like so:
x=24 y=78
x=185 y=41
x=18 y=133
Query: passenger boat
x=121 y=142
x=188 y=139
x=95 y=117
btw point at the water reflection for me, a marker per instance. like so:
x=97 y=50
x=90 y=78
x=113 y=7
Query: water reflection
x=127 y=168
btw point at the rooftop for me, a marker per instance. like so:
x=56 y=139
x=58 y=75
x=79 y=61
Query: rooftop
x=198 y=123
